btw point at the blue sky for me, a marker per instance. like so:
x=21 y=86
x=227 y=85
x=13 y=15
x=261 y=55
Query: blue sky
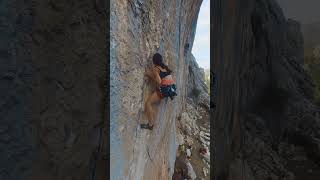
x=201 y=45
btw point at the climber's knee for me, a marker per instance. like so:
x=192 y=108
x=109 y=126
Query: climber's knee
x=153 y=98
x=148 y=106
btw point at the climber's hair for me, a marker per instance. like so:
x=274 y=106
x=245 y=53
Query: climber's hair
x=157 y=60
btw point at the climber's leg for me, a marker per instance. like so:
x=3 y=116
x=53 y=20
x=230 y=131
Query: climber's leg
x=153 y=98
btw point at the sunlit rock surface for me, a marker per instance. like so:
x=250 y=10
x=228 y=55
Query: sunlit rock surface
x=138 y=30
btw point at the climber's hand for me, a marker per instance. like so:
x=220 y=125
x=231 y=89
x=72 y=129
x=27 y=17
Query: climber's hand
x=148 y=73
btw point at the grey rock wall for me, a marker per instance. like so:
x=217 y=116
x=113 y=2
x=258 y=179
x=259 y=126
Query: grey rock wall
x=261 y=85
x=197 y=90
x=16 y=73
x=138 y=30
x=52 y=98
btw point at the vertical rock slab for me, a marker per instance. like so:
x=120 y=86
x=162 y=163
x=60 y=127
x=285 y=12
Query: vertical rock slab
x=228 y=17
x=257 y=62
x=16 y=73
x=52 y=56
x=138 y=30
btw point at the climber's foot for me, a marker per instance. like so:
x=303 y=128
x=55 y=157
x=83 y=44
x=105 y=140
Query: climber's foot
x=146 y=126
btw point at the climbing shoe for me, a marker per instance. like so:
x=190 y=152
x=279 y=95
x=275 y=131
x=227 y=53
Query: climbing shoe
x=146 y=126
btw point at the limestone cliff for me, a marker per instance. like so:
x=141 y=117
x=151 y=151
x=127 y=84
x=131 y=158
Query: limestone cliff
x=264 y=109
x=138 y=30
x=193 y=127
x=52 y=99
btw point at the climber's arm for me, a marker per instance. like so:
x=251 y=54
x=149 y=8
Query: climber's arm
x=148 y=73
x=156 y=76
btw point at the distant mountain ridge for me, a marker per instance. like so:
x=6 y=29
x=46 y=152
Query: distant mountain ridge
x=311 y=33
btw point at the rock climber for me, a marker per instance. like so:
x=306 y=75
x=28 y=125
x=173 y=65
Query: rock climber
x=166 y=87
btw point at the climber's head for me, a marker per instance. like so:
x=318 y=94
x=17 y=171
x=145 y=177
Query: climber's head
x=157 y=60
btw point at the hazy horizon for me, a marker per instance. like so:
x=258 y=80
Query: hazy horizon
x=306 y=11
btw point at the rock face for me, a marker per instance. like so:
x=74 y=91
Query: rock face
x=138 y=30
x=51 y=89
x=295 y=40
x=193 y=132
x=264 y=96
x=197 y=90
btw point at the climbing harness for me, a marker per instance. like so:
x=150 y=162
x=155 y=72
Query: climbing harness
x=168 y=91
